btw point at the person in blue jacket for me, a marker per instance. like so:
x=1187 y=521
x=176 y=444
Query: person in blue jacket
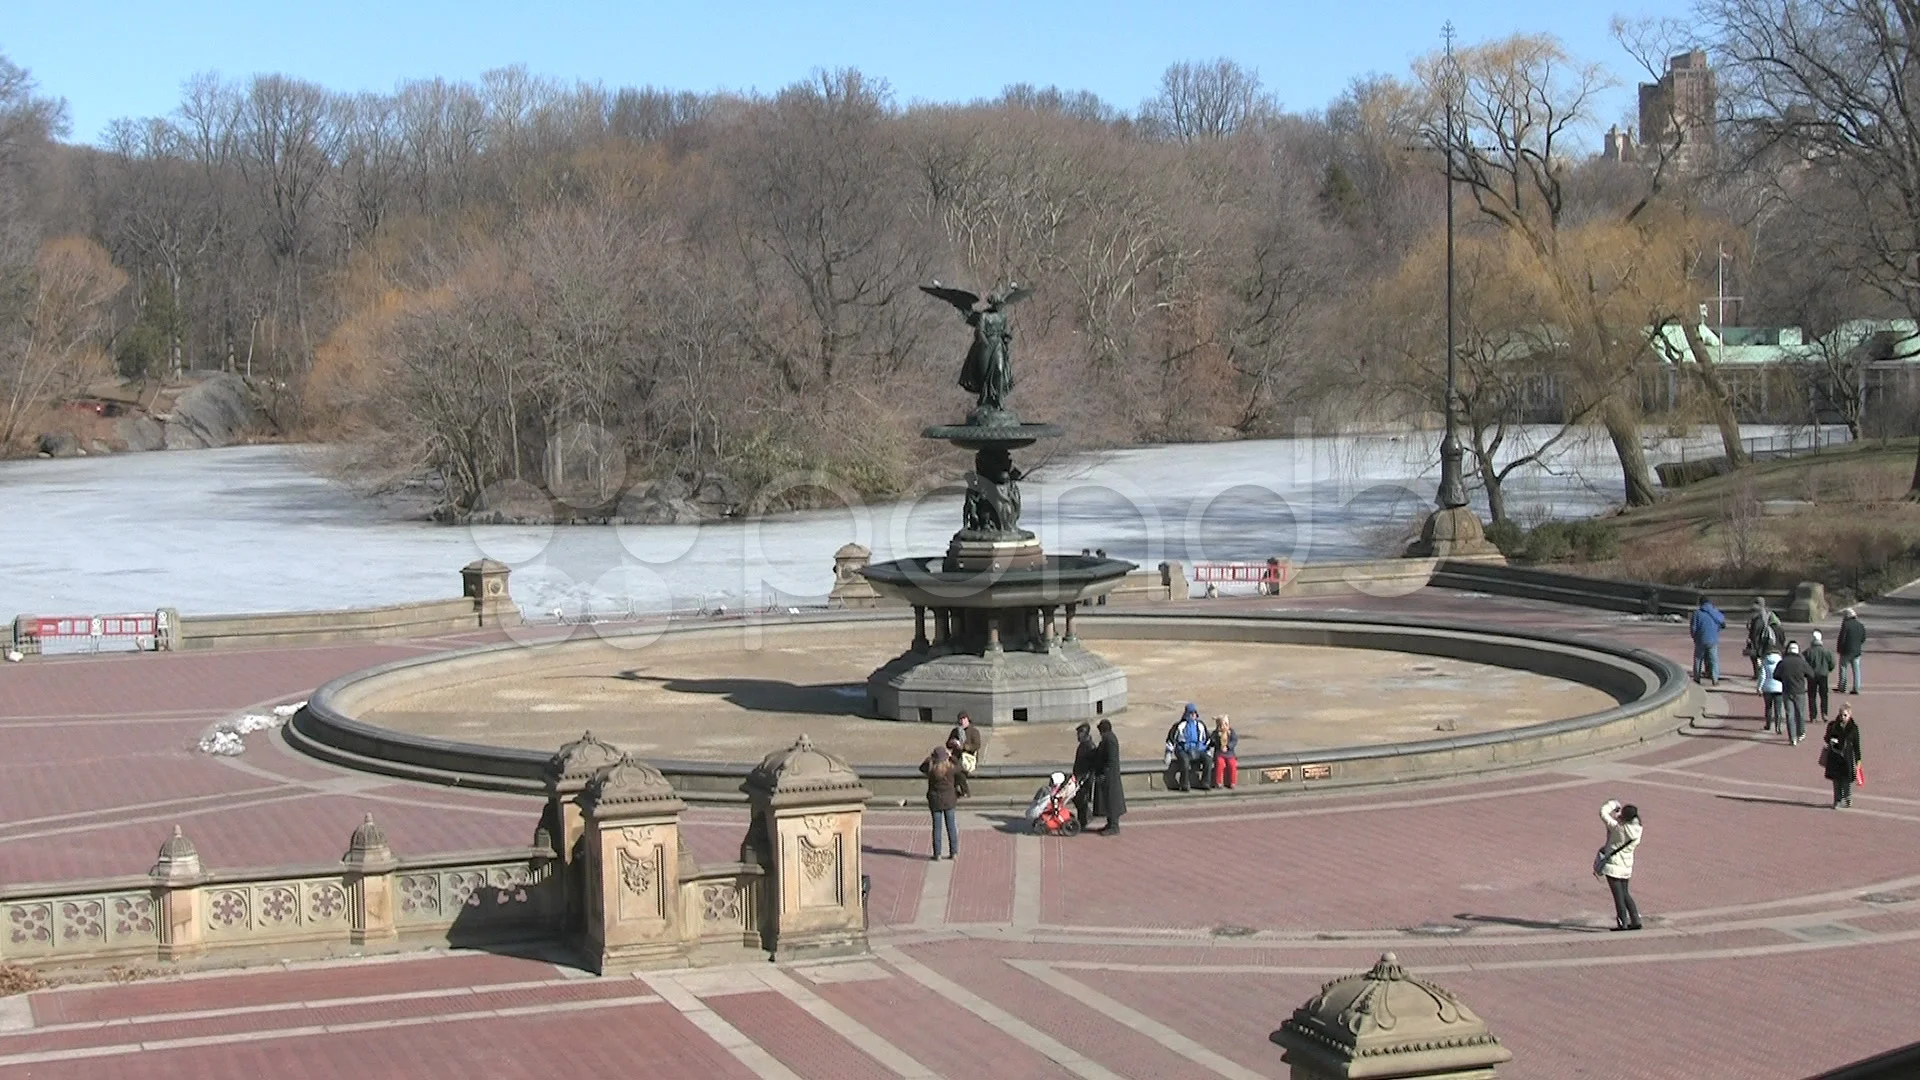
x=1187 y=744
x=1708 y=621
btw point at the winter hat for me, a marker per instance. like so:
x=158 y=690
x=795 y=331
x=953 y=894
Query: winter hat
x=1816 y=637
x=940 y=755
x=1848 y=613
x=1191 y=710
x=1793 y=647
x=1058 y=779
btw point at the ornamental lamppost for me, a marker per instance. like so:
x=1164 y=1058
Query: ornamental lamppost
x=1452 y=493
x=1452 y=530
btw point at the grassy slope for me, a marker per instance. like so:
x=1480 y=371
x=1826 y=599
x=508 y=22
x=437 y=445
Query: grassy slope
x=1857 y=534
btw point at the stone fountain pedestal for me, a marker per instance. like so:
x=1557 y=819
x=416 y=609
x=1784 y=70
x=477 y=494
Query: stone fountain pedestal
x=994 y=618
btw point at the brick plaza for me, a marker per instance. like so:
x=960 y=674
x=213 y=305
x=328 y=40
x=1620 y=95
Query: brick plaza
x=1781 y=934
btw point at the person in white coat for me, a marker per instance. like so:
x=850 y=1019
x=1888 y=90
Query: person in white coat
x=1614 y=860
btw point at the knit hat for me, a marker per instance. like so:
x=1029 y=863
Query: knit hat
x=1816 y=637
x=1793 y=646
x=1191 y=710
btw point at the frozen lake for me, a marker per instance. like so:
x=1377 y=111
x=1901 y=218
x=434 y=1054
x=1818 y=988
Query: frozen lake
x=253 y=529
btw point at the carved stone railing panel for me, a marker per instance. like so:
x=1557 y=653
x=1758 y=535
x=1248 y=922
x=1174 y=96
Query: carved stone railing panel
x=476 y=896
x=723 y=904
x=78 y=925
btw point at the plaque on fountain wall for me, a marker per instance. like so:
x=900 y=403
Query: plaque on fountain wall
x=995 y=614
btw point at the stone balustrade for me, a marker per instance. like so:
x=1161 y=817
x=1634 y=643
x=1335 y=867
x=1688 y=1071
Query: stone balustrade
x=178 y=910
x=606 y=878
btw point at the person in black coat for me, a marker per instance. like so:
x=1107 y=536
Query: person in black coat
x=1841 y=758
x=1792 y=673
x=1086 y=768
x=1111 y=778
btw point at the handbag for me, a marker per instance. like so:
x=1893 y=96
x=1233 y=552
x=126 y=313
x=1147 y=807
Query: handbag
x=1859 y=776
x=1601 y=856
x=968 y=762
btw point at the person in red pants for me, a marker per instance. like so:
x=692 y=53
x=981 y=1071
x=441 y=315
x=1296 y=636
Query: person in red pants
x=1224 y=746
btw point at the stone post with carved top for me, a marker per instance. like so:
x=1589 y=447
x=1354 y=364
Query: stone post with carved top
x=631 y=820
x=369 y=866
x=568 y=773
x=177 y=877
x=1385 y=1024
x=805 y=833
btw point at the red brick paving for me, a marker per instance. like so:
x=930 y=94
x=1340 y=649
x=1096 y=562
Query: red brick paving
x=1732 y=824
x=791 y=1035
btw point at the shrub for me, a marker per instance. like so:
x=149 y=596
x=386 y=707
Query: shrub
x=1593 y=541
x=1508 y=536
x=1549 y=542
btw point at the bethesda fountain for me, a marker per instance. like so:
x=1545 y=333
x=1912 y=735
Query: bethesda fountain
x=993 y=619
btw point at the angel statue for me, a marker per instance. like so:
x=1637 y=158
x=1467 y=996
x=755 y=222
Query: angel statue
x=988 y=370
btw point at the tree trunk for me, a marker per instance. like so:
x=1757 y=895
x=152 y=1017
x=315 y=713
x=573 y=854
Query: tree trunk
x=1717 y=396
x=1913 y=489
x=1624 y=428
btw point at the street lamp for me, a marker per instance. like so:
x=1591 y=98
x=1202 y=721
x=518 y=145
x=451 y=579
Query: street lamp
x=1452 y=494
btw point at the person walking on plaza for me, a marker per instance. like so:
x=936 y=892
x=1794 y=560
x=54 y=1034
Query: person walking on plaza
x=1705 y=627
x=1763 y=636
x=1614 y=860
x=1841 y=756
x=942 y=797
x=1111 y=779
x=1187 y=750
x=1224 y=746
x=963 y=744
x=1820 y=663
x=1853 y=638
x=1792 y=674
x=1770 y=691
x=1087 y=801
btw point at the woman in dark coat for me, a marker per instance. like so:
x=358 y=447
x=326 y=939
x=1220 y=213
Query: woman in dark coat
x=1842 y=755
x=1110 y=777
x=941 y=798
x=1086 y=767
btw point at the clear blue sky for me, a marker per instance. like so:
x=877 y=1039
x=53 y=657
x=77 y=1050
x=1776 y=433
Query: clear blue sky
x=128 y=59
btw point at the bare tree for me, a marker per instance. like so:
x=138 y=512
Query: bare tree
x=1826 y=88
x=1207 y=100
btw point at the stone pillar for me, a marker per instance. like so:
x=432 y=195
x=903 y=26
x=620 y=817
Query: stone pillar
x=568 y=773
x=370 y=865
x=919 y=628
x=633 y=869
x=993 y=632
x=1388 y=1025
x=940 y=628
x=484 y=581
x=166 y=630
x=1052 y=632
x=1071 y=608
x=177 y=903
x=806 y=832
x=850 y=589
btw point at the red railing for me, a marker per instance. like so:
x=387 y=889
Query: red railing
x=94 y=633
x=1267 y=573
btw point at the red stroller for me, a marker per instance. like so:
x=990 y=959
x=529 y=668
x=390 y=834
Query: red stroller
x=1051 y=813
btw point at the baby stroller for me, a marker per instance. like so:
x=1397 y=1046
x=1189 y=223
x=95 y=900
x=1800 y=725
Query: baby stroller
x=1052 y=811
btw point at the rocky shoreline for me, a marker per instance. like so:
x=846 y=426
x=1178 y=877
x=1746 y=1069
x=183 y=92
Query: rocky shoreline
x=218 y=409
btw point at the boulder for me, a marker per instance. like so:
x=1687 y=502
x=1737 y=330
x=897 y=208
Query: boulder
x=216 y=412
x=141 y=432
x=58 y=444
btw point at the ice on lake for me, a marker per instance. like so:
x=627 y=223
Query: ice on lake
x=249 y=529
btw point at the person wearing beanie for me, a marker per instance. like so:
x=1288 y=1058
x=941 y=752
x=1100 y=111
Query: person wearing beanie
x=1187 y=751
x=1820 y=664
x=1792 y=674
x=1852 y=640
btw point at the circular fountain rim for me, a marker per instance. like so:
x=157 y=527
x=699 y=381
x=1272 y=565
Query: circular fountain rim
x=1659 y=697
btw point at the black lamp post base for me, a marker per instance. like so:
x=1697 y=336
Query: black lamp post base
x=1451 y=533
